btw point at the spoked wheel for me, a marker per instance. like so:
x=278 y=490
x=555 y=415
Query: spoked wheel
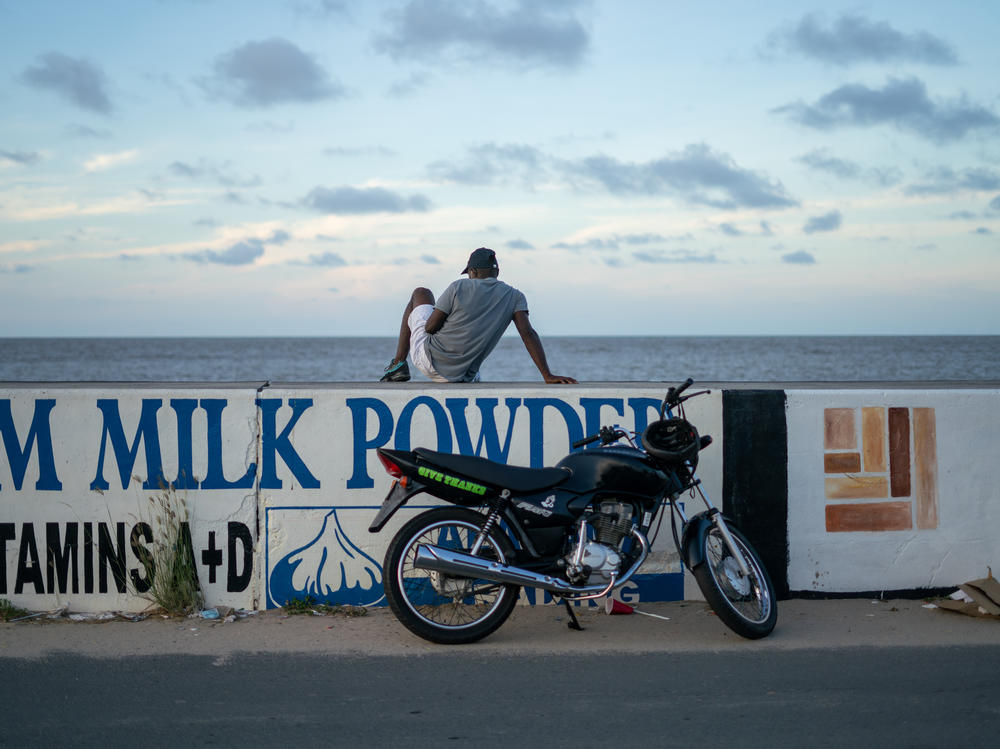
x=440 y=607
x=745 y=603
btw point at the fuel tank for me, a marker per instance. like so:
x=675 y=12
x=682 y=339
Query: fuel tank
x=620 y=471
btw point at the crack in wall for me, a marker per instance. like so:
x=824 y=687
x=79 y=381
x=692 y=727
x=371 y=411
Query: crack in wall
x=258 y=530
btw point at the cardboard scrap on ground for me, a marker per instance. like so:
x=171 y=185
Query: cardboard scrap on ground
x=976 y=598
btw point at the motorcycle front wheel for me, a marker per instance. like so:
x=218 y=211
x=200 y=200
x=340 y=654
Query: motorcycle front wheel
x=439 y=607
x=745 y=603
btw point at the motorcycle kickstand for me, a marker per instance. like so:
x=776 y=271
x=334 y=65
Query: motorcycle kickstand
x=573 y=622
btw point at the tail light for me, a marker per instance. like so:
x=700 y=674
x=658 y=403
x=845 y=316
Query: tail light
x=390 y=466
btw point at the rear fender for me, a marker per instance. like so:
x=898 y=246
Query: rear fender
x=398 y=496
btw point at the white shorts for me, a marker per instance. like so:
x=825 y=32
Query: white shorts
x=418 y=342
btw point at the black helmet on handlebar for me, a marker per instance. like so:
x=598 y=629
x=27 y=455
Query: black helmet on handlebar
x=672 y=440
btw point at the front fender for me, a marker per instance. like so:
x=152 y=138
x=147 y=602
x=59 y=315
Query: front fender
x=693 y=540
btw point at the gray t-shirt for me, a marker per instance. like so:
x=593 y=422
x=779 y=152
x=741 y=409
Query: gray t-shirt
x=479 y=311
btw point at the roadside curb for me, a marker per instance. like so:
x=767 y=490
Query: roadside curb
x=536 y=630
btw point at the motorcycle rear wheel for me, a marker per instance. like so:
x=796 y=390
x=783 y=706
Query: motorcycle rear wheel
x=745 y=604
x=443 y=608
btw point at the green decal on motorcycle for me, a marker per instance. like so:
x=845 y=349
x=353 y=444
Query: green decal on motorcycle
x=461 y=484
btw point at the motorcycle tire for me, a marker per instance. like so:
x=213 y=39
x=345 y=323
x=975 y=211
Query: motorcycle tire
x=444 y=608
x=745 y=604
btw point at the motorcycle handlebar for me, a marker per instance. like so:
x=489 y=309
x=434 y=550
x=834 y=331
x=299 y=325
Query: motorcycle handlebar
x=673 y=395
x=607 y=435
x=683 y=386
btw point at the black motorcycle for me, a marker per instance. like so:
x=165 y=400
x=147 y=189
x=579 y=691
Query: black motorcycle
x=578 y=530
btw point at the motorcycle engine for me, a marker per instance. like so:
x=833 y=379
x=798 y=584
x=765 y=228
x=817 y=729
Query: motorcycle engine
x=611 y=523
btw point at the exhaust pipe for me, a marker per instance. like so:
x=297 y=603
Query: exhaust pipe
x=465 y=565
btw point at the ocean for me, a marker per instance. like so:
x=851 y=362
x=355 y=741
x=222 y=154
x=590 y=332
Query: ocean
x=588 y=359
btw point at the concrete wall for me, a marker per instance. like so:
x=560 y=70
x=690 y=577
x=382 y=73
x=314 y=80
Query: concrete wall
x=281 y=481
x=893 y=489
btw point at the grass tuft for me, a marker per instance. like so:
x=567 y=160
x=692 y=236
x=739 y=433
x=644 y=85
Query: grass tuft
x=9 y=611
x=308 y=605
x=172 y=571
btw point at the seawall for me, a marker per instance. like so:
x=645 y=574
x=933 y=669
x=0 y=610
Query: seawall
x=843 y=487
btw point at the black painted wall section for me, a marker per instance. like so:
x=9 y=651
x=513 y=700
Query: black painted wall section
x=755 y=474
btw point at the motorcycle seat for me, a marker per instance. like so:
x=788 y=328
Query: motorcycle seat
x=516 y=478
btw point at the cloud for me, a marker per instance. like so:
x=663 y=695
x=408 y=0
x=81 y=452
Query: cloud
x=78 y=80
x=647 y=238
x=362 y=151
x=16 y=268
x=995 y=204
x=903 y=104
x=945 y=181
x=279 y=237
x=269 y=72
x=409 y=85
x=732 y=230
x=697 y=174
x=490 y=163
x=614 y=241
x=241 y=253
x=430 y=260
x=103 y=161
x=819 y=161
x=982 y=230
x=219 y=172
x=595 y=243
x=799 y=258
x=319 y=8
x=677 y=256
x=962 y=215
x=527 y=34
x=827 y=222
x=323 y=260
x=854 y=39
x=24 y=158
x=519 y=244
x=353 y=200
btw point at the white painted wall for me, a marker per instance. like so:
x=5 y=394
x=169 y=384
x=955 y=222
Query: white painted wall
x=77 y=434
x=309 y=511
x=967 y=537
x=315 y=486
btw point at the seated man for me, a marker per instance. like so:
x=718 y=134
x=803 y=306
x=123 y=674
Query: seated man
x=449 y=340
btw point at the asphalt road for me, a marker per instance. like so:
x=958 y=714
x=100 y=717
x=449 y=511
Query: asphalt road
x=859 y=697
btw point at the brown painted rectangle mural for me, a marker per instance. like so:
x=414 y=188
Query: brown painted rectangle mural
x=896 y=461
x=842 y=463
x=869 y=516
x=873 y=439
x=838 y=429
x=899 y=451
x=925 y=467
x=857 y=487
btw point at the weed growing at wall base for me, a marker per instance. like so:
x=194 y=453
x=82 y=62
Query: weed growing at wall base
x=173 y=574
x=9 y=612
x=308 y=605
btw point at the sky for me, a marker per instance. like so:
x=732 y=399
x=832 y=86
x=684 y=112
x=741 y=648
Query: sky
x=297 y=167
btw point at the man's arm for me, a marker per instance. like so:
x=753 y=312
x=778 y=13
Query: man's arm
x=534 y=346
x=435 y=321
